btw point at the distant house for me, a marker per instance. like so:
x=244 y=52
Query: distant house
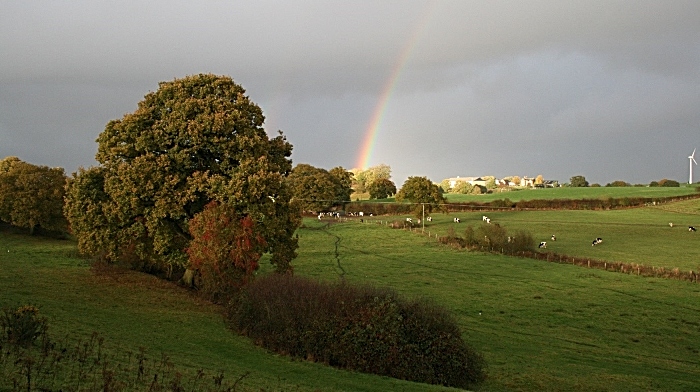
x=527 y=181
x=506 y=182
x=472 y=180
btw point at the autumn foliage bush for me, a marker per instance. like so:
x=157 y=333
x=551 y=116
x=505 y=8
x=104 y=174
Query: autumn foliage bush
x=360 y=328
x=224 y=250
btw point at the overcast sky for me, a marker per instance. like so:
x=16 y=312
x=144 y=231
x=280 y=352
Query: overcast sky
x=605 y=89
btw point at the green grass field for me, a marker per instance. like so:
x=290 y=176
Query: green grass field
x=543 y=326
x=638 y=235
x=574 y=193
x=516 y=194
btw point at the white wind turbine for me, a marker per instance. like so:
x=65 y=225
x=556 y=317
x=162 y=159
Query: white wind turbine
x=691 y=160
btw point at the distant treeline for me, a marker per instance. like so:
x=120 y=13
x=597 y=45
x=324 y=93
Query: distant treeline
x=501 y=204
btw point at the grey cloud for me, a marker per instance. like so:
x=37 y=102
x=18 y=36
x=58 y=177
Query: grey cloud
x=498 y=87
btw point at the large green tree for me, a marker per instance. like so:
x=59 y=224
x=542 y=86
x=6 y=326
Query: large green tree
x=317 y=189
x=343 y=183
x=423 y=192
x=195 y=140
x=364 y=177
x=31 y=196
x=381 y=188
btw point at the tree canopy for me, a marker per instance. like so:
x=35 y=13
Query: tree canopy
x=363 y=178
x=317 y=189
x=465 y=188
x=422 y=191
x=195 y=140
x=381 y=188
x=31 y=196
x=578 y=181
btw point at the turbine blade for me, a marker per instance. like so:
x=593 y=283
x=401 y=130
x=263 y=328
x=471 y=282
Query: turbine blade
x=694 y=161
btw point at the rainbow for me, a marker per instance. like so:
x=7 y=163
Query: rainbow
x=368 y=143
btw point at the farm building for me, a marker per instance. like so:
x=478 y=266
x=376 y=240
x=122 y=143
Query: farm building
x=472 y=180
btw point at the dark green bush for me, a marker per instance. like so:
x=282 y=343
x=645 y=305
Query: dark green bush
x=361 y=328
x=22 y=326
x=669 y=183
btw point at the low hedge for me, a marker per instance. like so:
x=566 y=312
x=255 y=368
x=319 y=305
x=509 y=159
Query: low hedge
x=361 y=328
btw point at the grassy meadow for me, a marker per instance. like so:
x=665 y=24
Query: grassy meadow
x=574 y=193
x=540 y=326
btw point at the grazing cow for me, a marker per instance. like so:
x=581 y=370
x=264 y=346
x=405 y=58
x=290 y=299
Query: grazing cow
x=483 y=218
x=691 y=228
x=456 y=220
x=511 y=239
x=543 y=244
x=361 y=213
x=554 y=238
x=429 y=219
x=409 y=220
x=597 y=241
x=670 y=224
x=488 y=220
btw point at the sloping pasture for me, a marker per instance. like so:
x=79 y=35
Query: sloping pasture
x=637 y=235
x=541 y=326
x=133 y=311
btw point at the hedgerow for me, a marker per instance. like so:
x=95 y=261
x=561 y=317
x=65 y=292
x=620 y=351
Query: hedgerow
x=361 y=328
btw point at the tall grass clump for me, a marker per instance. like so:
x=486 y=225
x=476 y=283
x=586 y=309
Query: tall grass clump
x=31 y=360
x=22 y=326
x=361 y=328
x=495 y=238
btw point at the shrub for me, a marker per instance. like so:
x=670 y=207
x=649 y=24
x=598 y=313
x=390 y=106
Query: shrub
x=22 y=326
x=669 y=183
x=361 y=328
x=225 y=250
x=503 y=203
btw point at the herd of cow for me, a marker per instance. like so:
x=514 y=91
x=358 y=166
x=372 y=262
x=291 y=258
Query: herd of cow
x=543 y=244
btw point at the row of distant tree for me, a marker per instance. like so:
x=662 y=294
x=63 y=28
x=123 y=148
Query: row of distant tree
x=580 y=181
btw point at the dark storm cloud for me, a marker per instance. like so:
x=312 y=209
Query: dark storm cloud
x=607 y=89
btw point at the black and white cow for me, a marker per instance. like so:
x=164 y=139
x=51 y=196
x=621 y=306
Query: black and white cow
x=691 y=228
x=456 y=220
x=543 y=244
x=597 y=241
x=554 y=237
